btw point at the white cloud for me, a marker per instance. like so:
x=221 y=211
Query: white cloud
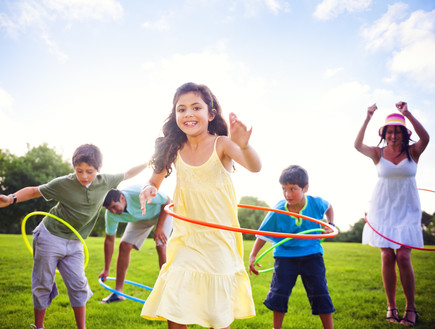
x=86 y=9
x=329 y=9
x=54 y=48
x=6 y=99
x=162 y=24
x=329 y=73
x=411 y=41
x=385 y=32
x=276 y=6
x=253 y=7
x=417 y=61
x=38 y=16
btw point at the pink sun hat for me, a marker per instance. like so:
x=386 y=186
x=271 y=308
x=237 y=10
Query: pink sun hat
x=395 y=119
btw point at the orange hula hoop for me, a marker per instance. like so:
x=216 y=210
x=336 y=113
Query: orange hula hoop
x=257 y=232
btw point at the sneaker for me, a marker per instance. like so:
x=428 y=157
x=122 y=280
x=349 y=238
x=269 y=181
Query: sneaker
x=112 y=298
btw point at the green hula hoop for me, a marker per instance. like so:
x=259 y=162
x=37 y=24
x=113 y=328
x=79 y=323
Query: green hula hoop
x=280 y=243
x=23 y=232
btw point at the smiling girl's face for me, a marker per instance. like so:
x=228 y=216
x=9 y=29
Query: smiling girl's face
x=192 y=114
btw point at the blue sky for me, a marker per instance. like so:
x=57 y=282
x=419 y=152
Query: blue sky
x=302 y=73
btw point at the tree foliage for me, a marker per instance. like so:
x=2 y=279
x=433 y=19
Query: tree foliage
x=250 y=218
x=38 y=166
x=428 y=224
x=354 y=234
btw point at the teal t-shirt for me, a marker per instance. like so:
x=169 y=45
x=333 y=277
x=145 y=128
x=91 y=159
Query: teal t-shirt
x=315 y=207
x=133 y=211
x=78 y=205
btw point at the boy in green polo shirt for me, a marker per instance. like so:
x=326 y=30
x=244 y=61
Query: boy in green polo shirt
x=80 y=196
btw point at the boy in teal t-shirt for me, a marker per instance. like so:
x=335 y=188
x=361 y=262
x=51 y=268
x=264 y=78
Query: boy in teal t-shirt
x=296 y=257
x=80 y=197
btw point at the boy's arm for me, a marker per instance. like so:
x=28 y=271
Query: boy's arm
x=258 y=244
x=109 y=246
x=329 y=214
x=134 y=171
x=22 y=195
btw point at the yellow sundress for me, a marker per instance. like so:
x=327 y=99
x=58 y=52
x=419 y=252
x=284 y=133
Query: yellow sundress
x=204 y=280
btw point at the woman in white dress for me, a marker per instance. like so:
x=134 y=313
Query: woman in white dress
x=395 y=209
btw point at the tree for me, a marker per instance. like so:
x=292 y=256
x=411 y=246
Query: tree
x=38 y=166
x=354 y=234
x=250 y=218
x=428 y=225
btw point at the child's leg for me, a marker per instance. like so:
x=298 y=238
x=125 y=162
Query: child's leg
x=327 y=321
x=173 y=325
x=72 y=270
x=47 y=249
x=80 y=315
x=39 y=318
x=314 y=280
x=285 y=274
x=278 y=319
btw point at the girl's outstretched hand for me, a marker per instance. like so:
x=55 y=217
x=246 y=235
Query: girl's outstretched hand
x=238 y=132
x=147 y=194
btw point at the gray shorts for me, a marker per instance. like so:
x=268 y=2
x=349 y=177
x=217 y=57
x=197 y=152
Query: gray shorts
x=49 y=252
x=136 y=232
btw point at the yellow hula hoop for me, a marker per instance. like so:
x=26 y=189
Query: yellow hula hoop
x=23 y=232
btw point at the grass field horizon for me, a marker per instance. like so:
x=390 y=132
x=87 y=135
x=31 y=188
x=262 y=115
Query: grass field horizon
x=353 y=274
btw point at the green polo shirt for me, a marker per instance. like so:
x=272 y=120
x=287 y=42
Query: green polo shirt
x=78 y=205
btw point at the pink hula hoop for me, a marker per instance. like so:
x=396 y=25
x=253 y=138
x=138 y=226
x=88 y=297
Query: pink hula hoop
x=401 y=244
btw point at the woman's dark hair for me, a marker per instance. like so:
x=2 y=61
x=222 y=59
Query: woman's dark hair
x=405 y=140
x=166 y=147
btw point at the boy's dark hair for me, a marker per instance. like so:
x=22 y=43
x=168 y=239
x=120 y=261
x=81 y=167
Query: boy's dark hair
x=89 y=154
x=294 y=175
x=112 y=196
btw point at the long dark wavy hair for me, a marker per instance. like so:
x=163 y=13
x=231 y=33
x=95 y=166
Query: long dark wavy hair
x=405 y=141
x=166 y=147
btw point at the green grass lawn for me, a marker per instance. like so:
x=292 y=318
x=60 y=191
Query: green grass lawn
x=353 y=274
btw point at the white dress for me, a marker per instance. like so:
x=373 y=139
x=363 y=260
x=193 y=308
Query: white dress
x=395 y=209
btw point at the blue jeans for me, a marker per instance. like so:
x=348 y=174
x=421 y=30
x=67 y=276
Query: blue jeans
x=311 y=268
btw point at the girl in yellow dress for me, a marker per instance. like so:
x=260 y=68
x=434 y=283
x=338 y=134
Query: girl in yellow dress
x=204 y=280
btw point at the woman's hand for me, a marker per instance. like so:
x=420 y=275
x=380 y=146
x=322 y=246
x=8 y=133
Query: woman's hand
x=403 y=108
x=371 y=110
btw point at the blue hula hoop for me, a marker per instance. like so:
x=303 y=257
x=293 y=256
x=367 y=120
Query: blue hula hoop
x=100 y=281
